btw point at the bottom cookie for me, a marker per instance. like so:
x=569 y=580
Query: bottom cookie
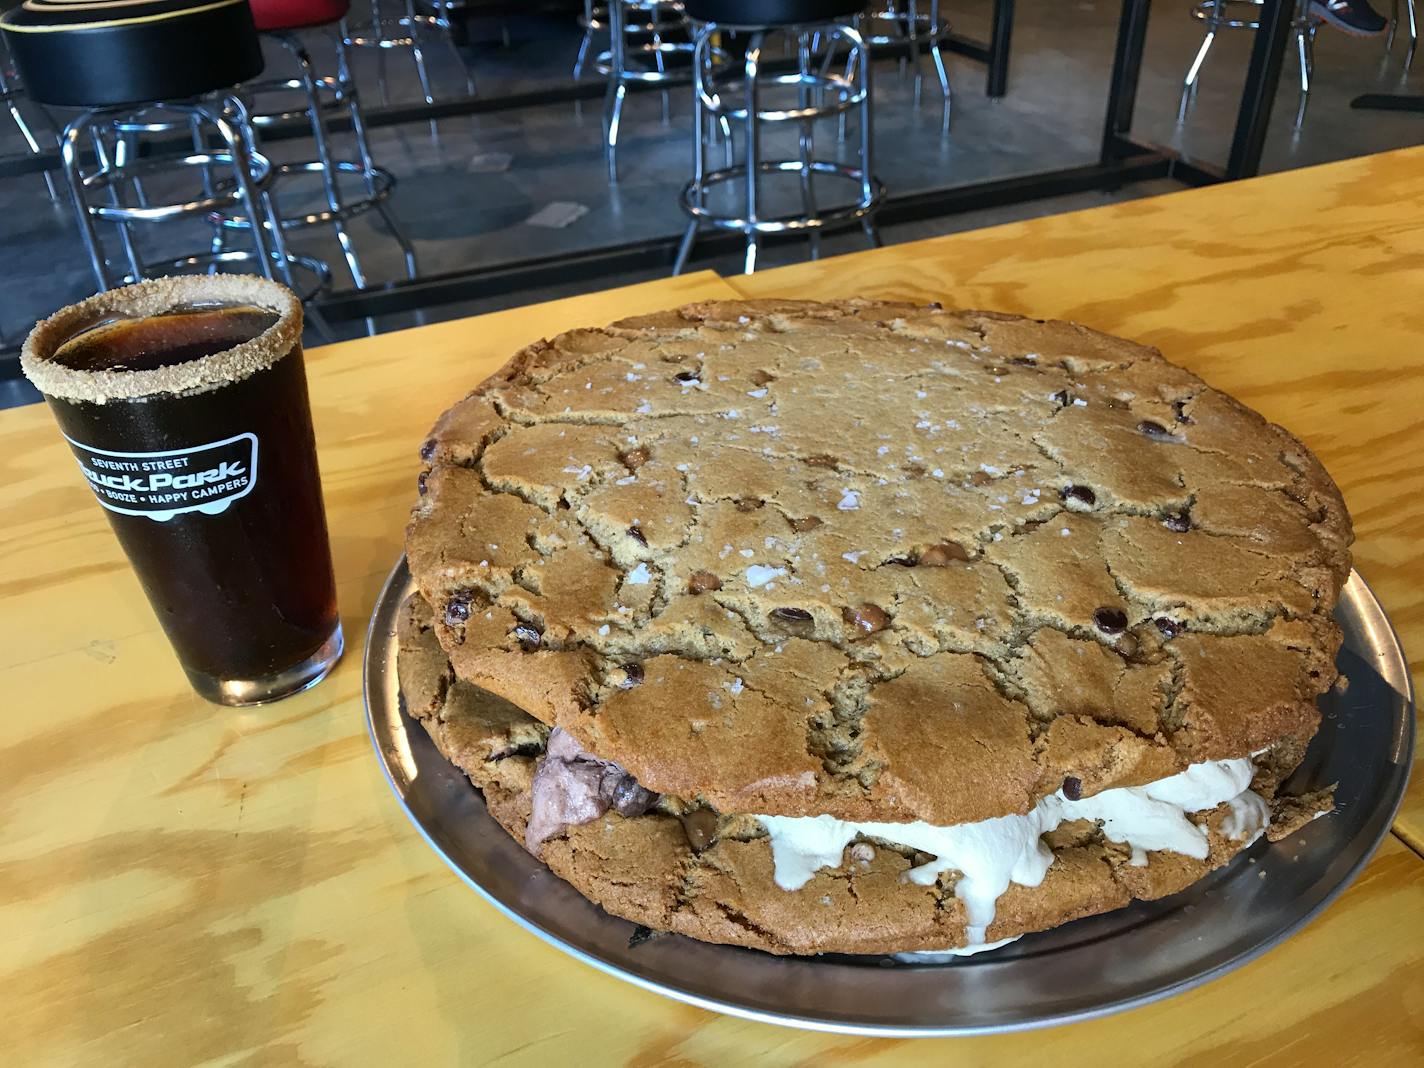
x=679 y=867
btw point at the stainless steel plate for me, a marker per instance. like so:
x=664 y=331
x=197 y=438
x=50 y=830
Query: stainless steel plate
x=1094 y=966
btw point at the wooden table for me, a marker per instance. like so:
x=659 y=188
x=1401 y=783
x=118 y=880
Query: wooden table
x=182 y=884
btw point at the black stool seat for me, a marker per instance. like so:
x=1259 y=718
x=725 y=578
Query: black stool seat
x=93 y=55
x=770 y=13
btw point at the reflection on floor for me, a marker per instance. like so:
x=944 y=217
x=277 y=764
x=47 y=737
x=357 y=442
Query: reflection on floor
x=472 y=190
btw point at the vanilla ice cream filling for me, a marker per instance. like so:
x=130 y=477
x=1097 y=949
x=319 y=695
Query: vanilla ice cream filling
x=992 y=853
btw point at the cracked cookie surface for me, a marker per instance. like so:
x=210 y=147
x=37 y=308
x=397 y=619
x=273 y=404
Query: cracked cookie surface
x=879 y=561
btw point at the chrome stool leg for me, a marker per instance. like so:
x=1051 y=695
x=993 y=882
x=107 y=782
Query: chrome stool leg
x=326 y=163
x=243 y=147
x=617 y=88
x=418 y=55
x=701 y=70
x=1305 y=49
x=347 y=87
x=1193 y=78
x=753 y=148
x=69 y=158
x=869 y=193
x=590 y=23
x=8 y=93
x=806 y=137
x=1409 y=8
x=111 y=161
x=937 y=30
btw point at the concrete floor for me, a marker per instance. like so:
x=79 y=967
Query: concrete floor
x=468 y=186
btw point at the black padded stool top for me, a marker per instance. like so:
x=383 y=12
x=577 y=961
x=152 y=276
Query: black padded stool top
x=771 y=12
x=96 y=53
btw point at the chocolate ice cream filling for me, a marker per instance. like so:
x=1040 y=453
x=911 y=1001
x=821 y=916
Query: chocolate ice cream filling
x=572 y=786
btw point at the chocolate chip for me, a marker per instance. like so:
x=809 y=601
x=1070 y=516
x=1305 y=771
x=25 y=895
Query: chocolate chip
x=1073 y=788
x=869 y=618
x=427 y=449
x=688 y=376
x=821 y=460
x=809 y=522
x=632 y=676
x=1110 y=620
x=527 y=635
x=1062 y=398
x=1025 y=361
x=700 y=826
x=637 y=535
x=457 y=608
x=791 y=615
x=1126 y=644
x=1081 y=494
x=1155 y=431
x=702 y=582
x=794 y=621
x=421 y=481
x=629 y=799
x=640 y=935
x=1180 y=408
x=749 y=504
x=943 y=554
x=980 y=478
x=1170 y=628
x=1116 y=403
x=635 y=458
x=1178 y=521
x=762 y=378
x=915 y=470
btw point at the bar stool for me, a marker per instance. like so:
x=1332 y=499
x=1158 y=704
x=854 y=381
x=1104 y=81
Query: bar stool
x=638 y=51
x=277 y=20
x=1240 y=15
x=819 y=94
x=385 y=32
x=152 y=58
x=910 y=22
x=1412 y=16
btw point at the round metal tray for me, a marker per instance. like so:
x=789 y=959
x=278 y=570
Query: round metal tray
x=1091 y=967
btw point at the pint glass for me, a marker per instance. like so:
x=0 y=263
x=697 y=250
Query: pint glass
x=184 y=401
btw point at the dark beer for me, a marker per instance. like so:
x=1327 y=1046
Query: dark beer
x=190 y=420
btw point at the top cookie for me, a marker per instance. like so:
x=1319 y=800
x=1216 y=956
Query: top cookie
x=879 y=561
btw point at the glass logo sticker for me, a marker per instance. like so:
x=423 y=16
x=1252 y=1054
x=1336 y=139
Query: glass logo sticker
x=160 y=485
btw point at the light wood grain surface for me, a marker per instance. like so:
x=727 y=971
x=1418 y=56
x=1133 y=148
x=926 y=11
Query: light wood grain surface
x=181 y=884
x=1300 y=293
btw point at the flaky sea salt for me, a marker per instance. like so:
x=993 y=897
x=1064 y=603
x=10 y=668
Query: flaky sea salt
x=639 y=576
x=758 y=575
x=849 y=502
